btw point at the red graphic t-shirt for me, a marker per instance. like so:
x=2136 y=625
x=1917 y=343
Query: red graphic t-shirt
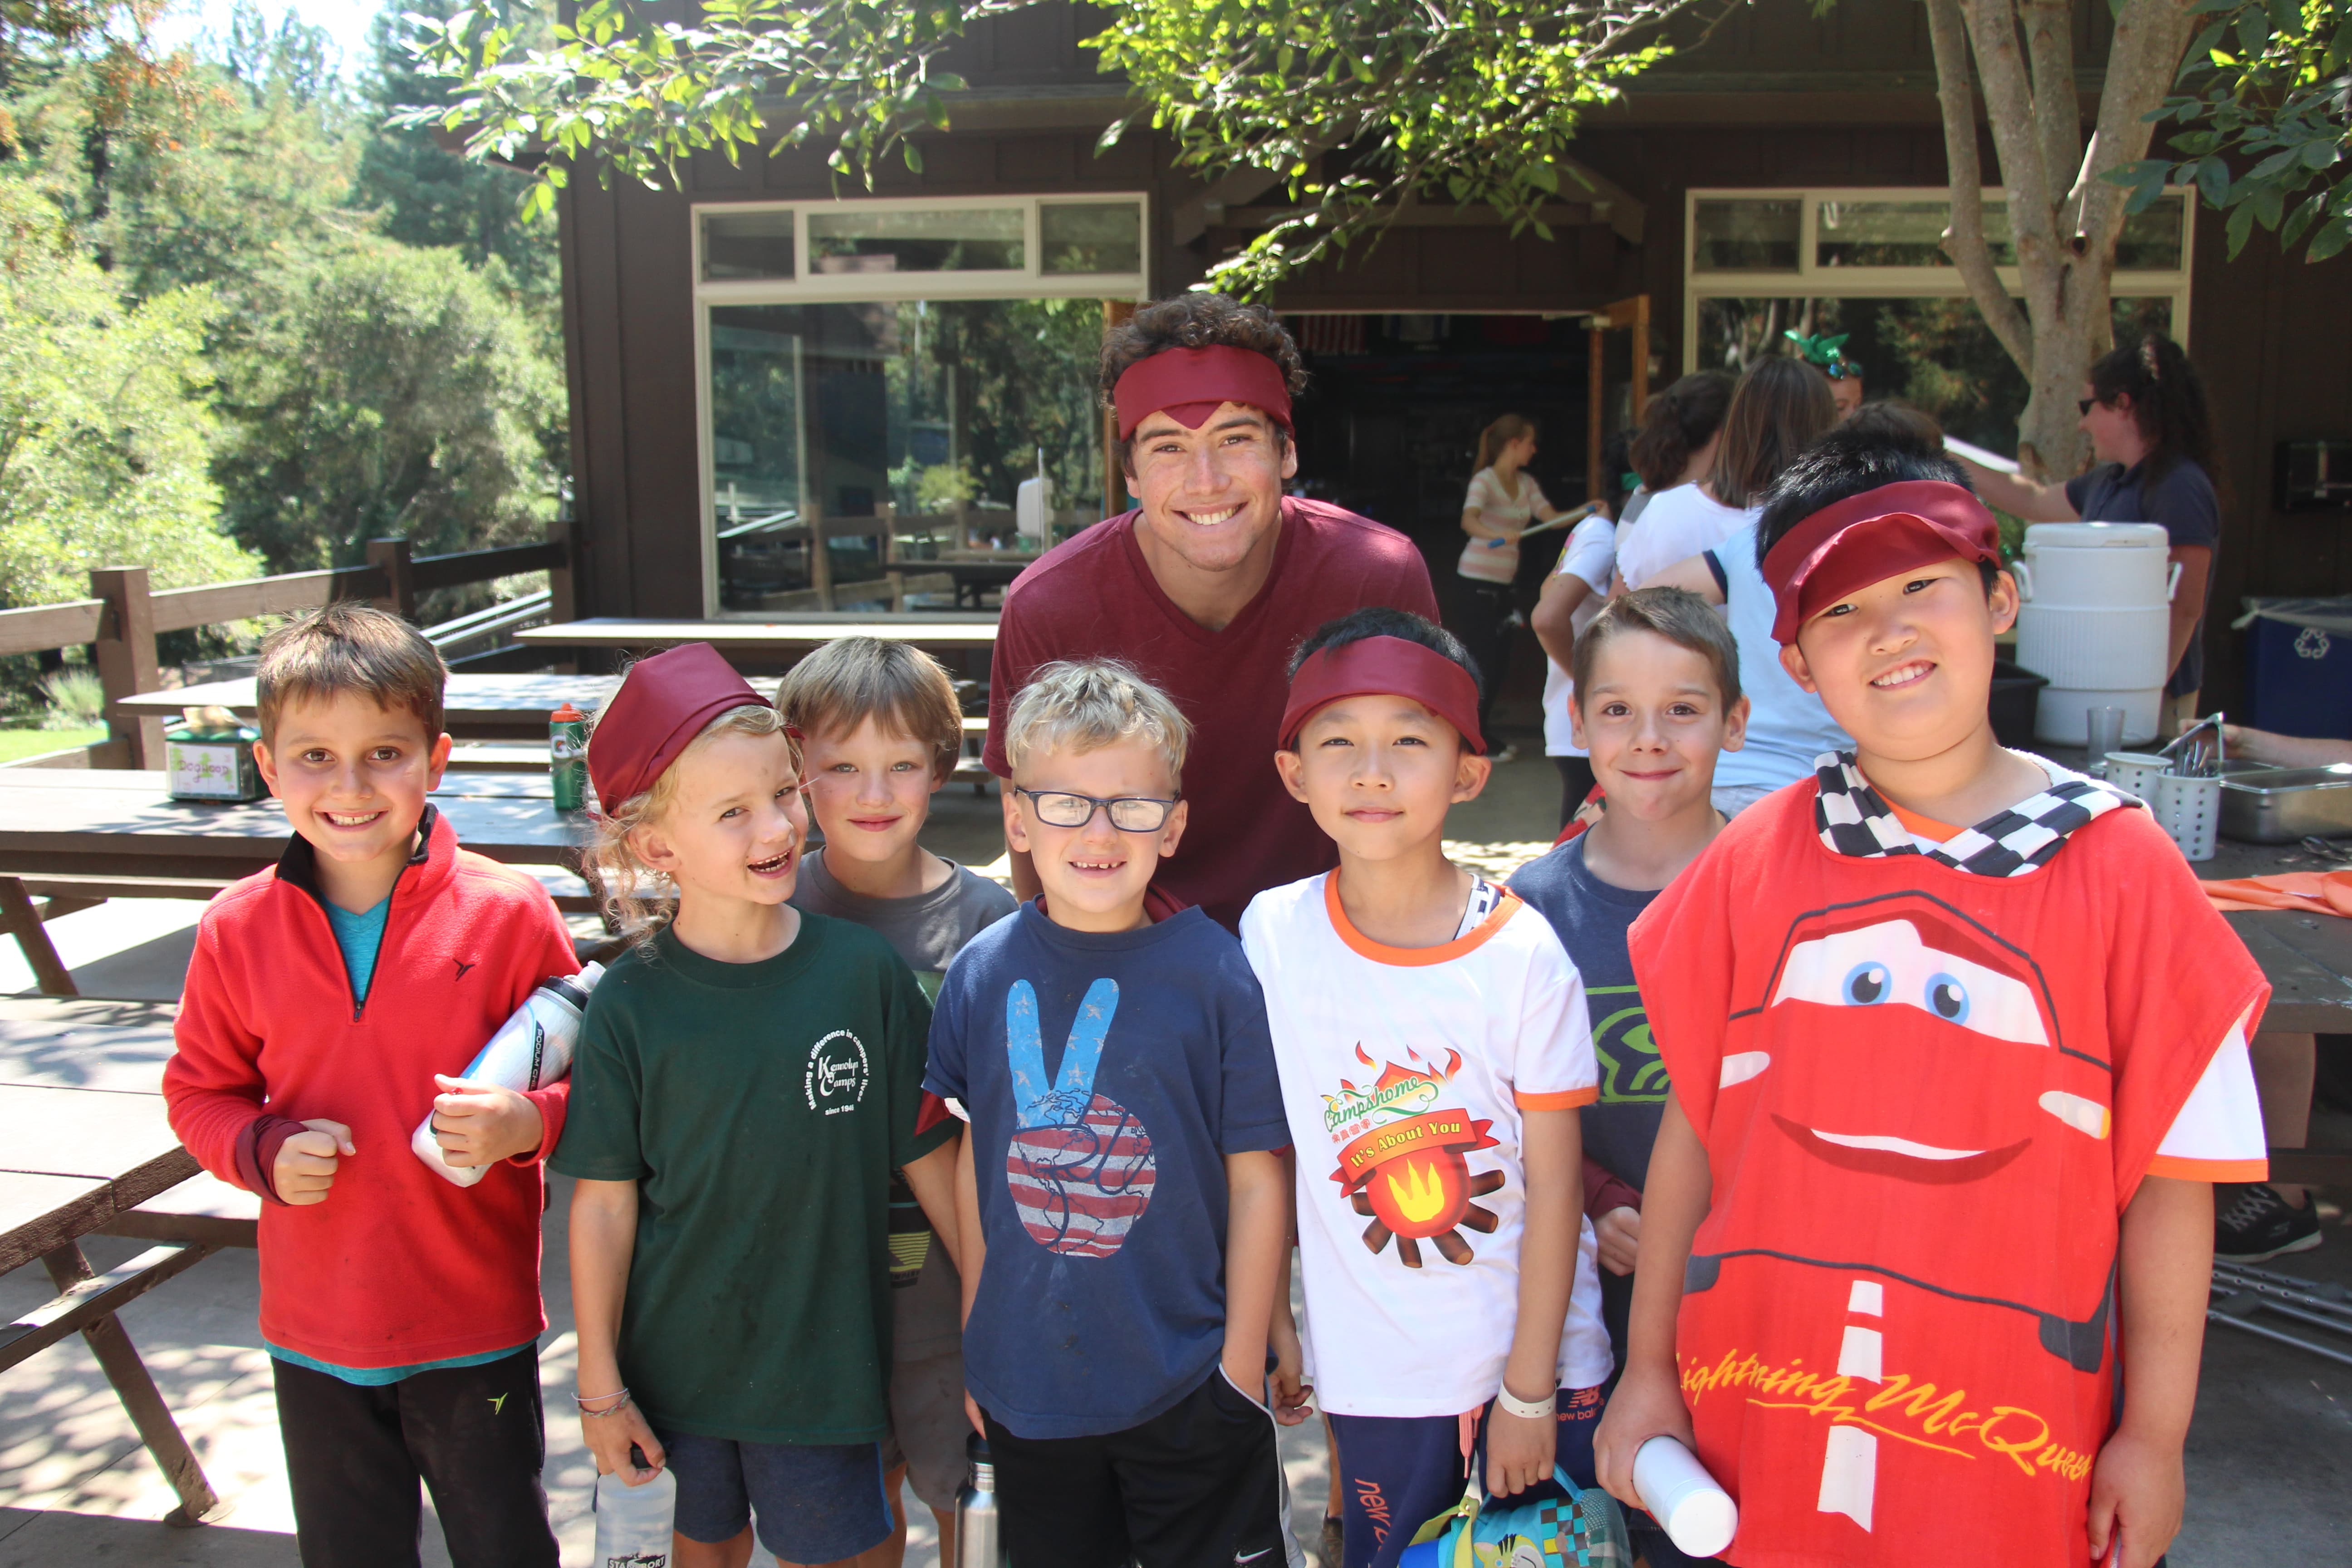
x=1925 y=1098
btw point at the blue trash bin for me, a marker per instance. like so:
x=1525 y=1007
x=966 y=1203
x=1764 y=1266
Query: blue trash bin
x=2299 y=666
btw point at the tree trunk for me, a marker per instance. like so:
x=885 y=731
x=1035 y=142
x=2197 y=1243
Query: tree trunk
x=2064 y=218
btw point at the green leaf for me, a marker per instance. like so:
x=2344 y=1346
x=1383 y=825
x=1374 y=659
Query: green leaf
x=2213 y=181
x=2242 y=224
x=2329 y=240
x=2317 y=155
x=2286 y=16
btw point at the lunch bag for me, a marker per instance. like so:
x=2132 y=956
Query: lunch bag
x=1581 y=1530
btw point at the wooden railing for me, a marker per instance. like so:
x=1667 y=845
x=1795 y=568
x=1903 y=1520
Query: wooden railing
x=122 y=617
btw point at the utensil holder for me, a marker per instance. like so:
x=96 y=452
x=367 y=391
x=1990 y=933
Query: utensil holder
x=2136 y=773
x=2189 y=808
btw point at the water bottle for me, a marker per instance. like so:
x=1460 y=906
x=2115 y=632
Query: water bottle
x=1698 y=1515
x=976 y=1517
x=633 y=1523
x=567 y=757
x=531 y=1051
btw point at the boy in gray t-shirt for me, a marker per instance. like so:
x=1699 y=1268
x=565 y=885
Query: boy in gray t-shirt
x=881 y=731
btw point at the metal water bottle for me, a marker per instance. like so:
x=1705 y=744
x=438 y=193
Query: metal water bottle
x=567 y=757
x=976 y=1517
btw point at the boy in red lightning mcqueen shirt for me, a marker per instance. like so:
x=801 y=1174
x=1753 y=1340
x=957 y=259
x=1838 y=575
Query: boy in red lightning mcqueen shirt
x=1899 y=1265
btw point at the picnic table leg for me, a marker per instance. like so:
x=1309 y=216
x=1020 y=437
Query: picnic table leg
x=22 y=922
x=119 y=1358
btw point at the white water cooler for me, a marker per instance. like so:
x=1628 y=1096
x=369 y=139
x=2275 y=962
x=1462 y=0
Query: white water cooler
x=2096 y=622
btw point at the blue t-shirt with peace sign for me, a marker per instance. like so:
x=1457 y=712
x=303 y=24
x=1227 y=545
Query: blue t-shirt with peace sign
x=1104 y=1076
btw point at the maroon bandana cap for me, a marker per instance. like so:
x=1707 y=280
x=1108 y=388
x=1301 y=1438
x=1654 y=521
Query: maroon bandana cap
x=662 y=704
x=1383 y=666
x=1869 y=538
x=1188 y=385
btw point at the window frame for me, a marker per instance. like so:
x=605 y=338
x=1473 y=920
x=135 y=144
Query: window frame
x=1813 y=281
x=805 y=287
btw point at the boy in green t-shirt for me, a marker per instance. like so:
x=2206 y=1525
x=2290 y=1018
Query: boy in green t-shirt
x=881 y=731
x=749 y=1076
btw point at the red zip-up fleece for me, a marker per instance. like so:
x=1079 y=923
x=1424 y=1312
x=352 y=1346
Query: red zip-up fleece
x=399 y=1265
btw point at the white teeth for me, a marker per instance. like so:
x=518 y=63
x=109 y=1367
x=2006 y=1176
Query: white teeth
x=347 y=819
x=1211 y=519
x=1898 y=677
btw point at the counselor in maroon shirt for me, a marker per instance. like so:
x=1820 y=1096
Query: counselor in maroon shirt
x=1208 y=584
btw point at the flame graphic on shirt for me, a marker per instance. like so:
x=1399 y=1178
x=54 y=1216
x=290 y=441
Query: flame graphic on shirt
x=1419 y=1200
x=1400 y=1158
x=1399 y=1091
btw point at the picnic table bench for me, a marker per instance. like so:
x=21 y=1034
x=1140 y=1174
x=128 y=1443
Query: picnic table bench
x=76 y=837
x=937 y=632
x=474 y=706
x=91 y=1150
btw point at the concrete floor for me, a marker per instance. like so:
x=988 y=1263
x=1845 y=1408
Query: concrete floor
x=2270 y=1457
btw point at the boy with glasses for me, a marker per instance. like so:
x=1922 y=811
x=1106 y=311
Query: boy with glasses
x=1120 y=1210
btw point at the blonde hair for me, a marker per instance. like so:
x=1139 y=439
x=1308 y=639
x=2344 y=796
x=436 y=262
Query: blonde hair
x=638 y=899
x=851 y=680
x=1500 y=435
x=1085 y=705
x=351 y=647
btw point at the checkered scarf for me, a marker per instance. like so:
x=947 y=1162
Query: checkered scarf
x=1854 y=819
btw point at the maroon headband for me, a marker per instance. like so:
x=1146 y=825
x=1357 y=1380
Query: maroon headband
x=1868 y=538
x=1187 y=384
x=1388 y=666
x=664 y=703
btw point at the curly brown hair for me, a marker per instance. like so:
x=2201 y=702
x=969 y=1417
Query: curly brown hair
x=1198 y=321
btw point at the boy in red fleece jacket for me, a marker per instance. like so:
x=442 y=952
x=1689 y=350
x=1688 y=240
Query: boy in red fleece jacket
x=327 y=1001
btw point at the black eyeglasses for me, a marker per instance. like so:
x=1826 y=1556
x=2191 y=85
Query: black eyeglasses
x=2085 y=405
x=1129 y=812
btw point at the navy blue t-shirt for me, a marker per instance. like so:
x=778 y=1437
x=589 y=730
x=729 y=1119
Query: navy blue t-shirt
x=1590 y=917
x=2182 y=499
x=1105 y=1077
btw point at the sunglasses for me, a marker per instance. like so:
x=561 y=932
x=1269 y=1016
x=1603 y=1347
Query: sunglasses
x=1129 y=812
x=2085 y=405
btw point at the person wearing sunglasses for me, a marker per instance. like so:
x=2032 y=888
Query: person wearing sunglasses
x=2151 y=436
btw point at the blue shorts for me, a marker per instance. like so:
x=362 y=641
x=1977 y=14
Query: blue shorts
x=812 y=1503
x=1396 y=1473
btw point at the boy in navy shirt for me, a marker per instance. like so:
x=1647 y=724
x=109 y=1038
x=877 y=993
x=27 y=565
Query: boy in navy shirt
x=1123 y=1215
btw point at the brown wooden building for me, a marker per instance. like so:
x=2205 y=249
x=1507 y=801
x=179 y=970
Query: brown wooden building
x=753 y=351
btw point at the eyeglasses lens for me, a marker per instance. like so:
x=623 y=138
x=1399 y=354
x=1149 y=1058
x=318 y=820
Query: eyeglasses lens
x=1127 y=813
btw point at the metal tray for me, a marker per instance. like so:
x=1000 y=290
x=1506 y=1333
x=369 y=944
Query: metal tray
x=2263 y=804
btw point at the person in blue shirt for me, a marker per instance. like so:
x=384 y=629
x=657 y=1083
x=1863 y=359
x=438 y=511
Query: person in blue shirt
x=2152 y=439
x=1123 y=1214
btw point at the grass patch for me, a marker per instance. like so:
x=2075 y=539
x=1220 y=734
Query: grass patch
x=16 y=745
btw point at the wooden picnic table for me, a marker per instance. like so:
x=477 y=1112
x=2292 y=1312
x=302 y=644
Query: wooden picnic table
x=80 y=836
x=475 y=707
x=939 y=632
x=89 y=1144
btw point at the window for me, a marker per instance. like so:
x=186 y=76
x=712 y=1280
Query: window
x=1869 y=264
x=895 y=370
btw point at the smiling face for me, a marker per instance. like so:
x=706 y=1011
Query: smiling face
x=1904 y=666
x=870 y=788
x=352 y=776
x=1095 y=876
x=1655 y=721
x=1378 y=772
x=1212 y=495
x=735 y=822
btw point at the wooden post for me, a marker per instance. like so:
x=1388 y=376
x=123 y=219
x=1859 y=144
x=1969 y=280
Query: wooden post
x=119 y=1358
x=562 y=597
x=1596 y=483
x=1641 y=354
x=22 y=922
x=1116 y=313
x=820 y=560
x=392 y=557
x=126 y=658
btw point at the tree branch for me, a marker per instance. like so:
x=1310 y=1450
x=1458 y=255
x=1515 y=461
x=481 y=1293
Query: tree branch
x=2009 y=99
x=1964 y=239
x=2150 y=37
x=2049 y=28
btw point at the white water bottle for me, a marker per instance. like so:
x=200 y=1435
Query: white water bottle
x=531 y=1051
x=1698 y=1515
x=634 y=1524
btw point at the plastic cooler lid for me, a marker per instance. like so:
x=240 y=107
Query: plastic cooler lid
x=2331 y=615
x=2096 y=536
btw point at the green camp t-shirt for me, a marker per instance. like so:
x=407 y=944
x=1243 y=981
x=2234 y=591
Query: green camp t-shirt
x=761 y=1108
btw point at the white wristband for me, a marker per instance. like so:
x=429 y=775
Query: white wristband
x=1511 y=1403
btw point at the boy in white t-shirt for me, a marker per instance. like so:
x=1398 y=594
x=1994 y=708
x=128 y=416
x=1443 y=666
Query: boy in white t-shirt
x=1432 y=1042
